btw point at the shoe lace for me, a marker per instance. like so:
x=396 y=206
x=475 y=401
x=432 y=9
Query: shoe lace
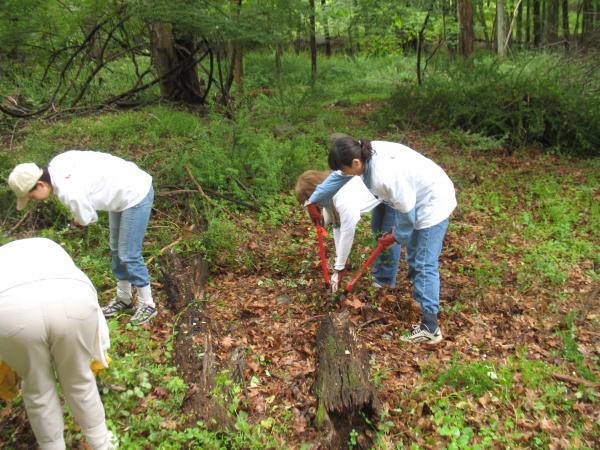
x=416 y=329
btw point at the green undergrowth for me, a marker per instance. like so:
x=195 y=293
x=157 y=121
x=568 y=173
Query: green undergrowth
x=508 y=100
x=537 y=219
x=514 y=404
x=527 y=223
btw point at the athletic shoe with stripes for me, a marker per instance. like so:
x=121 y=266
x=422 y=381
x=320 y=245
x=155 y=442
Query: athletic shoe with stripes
x=421 y=335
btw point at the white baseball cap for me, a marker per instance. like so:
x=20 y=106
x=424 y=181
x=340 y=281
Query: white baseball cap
x=22 y=180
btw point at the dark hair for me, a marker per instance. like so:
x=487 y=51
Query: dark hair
x=346 y=149
x=46 y=176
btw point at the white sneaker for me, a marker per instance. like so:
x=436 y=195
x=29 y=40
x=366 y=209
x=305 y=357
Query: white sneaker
x=422 y=336
x=143 y=314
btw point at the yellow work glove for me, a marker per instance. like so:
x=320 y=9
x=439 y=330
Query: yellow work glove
x=97 y=366
x=8 y=383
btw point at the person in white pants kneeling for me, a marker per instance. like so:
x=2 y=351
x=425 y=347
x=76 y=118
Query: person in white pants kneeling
x=51 y=323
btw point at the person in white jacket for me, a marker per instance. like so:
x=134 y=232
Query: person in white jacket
x=343 y=213
x=423 y=198
x=51 y=327
x=86 y=182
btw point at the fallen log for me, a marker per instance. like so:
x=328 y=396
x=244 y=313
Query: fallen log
x=347 y=403
x=184 y=278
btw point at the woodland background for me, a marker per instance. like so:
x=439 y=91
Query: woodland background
x=225 y=103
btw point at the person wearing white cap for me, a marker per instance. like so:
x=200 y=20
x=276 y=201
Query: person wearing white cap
x=87 y=182
x=51 y=323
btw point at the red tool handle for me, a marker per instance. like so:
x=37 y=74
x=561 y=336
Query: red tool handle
x=383 y=242
x=320 y=233
x=366 y=264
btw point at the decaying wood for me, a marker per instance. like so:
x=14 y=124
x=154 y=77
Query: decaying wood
x=345 y=398
x=184 y=277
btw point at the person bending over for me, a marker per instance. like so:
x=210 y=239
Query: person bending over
x=50 y=328
x=343 y=213
x=86 y=182
x=423 y=198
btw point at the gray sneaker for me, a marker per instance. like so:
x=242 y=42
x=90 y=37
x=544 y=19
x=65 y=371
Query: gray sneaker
x=422 y=336
x=143 y=314
x=115 y=307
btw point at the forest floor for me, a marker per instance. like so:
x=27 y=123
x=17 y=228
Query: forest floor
x=519 y=363
x=495 y=334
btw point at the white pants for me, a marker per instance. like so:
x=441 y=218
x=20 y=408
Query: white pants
x=49 y=327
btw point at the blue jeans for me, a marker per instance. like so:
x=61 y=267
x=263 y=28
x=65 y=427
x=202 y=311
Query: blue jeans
x=385 y=267
x=423 y=251
x=127 y=230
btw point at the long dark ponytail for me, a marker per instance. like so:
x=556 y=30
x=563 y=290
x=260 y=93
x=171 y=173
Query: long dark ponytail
x=346 y=149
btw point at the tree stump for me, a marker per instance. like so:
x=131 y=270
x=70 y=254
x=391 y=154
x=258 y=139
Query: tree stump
x=346 y=401
x=184 y=277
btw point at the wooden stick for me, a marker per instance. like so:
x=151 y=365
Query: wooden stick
x=369 y=322
x=189 y=172
x=576 y=380
x=212 y=192
x=164 y=249
x=18 y=224
x=12 y=136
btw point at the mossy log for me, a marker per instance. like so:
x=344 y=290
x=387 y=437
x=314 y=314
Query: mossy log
x=184 y=277
x=346 y=401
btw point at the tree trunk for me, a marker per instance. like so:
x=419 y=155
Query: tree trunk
x=483 y=22
x=552 y=22
x=237 y=66
x=326 y=29
x=543 y=18
x=587 y=22
x=537 y=24
x=313 y=43
x=528 y=25
x=501 y=28
x=237 y=53
x=173 y=57
x=346 y=401
x=465 y=18
x=520 y=24
x=420 y=49
x=565 y=23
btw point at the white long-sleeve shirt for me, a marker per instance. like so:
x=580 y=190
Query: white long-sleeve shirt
x=400 y=177
x=27 y=261
x=88 y=181
x=351 y=201
x=407 y=180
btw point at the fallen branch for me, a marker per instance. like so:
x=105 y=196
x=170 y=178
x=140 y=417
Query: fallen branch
x=246 y=190
x=18 y=224
x=189 y=172
x=369 y=322
x=576 y=380
x=164 y=249
x=113 y=387
x=12 y=136
x=211 y=192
